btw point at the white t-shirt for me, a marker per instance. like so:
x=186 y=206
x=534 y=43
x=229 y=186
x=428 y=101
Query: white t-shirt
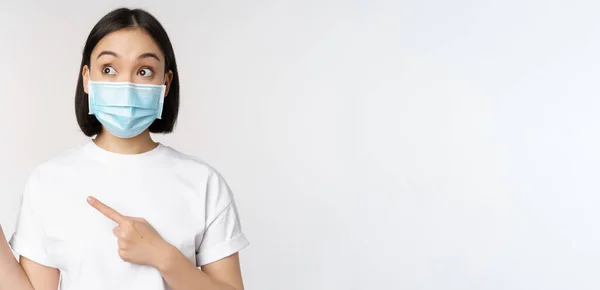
x=183 y=198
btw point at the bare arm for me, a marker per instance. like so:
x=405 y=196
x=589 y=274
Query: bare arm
x=139 y=243
x=181 y=274
x=25 y=276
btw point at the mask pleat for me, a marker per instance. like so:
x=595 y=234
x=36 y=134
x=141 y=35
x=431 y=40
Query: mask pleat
x=125 y=109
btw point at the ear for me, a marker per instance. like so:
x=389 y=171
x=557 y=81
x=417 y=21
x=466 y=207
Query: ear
x=85 y=73
x=168 y=80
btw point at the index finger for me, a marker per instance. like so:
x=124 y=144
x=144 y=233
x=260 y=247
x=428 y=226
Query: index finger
x=106 y=210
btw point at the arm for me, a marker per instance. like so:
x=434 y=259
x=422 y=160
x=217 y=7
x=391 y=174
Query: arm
x=181 y=274
x=139 y=243
x=27 y=276
x=217 y=249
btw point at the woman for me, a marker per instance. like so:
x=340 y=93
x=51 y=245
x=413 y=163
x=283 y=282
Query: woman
x=122 y=211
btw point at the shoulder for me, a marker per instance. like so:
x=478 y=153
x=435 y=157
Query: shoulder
x=65 y=161
x=48 y=175
x=196 y=171
x=62 y=163
x=217 y=194
x=191 y=164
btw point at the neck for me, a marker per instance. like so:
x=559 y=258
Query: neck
x=136 y=145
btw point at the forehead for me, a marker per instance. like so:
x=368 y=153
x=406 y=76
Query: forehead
x=128 y=43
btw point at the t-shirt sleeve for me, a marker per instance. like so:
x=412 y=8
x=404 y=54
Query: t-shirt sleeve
x=222 y=235
x=29 y=239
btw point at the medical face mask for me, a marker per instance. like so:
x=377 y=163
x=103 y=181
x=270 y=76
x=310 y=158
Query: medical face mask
x=125 y=109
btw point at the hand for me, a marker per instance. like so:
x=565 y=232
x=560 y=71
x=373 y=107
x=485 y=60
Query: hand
x=139 y=243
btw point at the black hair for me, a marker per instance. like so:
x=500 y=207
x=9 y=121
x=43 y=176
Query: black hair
x=113 y=21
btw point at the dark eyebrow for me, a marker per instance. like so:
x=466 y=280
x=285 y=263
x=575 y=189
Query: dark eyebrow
x=149 y=54
x=106 y=52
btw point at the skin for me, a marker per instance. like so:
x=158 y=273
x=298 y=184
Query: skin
x=129 y=55
x=13 y=276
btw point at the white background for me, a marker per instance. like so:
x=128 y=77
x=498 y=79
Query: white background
x=371 y=145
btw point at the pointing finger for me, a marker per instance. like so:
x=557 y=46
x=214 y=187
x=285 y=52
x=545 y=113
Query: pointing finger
x=106 y=210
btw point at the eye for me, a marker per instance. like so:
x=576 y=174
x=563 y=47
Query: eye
x=146 y=72
x=109 y=70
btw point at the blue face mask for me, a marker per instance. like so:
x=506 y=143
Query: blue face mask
x=125 y=109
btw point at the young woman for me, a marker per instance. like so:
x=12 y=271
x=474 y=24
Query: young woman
x=122 y=211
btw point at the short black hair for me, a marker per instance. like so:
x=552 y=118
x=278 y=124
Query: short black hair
x=113 y=21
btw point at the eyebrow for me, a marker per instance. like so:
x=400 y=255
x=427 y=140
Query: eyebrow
x=106 y=52
x=149 y=54
x=143 y=55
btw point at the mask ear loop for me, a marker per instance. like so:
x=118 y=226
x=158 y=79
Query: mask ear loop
x=161 y=101
x=90 y=96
